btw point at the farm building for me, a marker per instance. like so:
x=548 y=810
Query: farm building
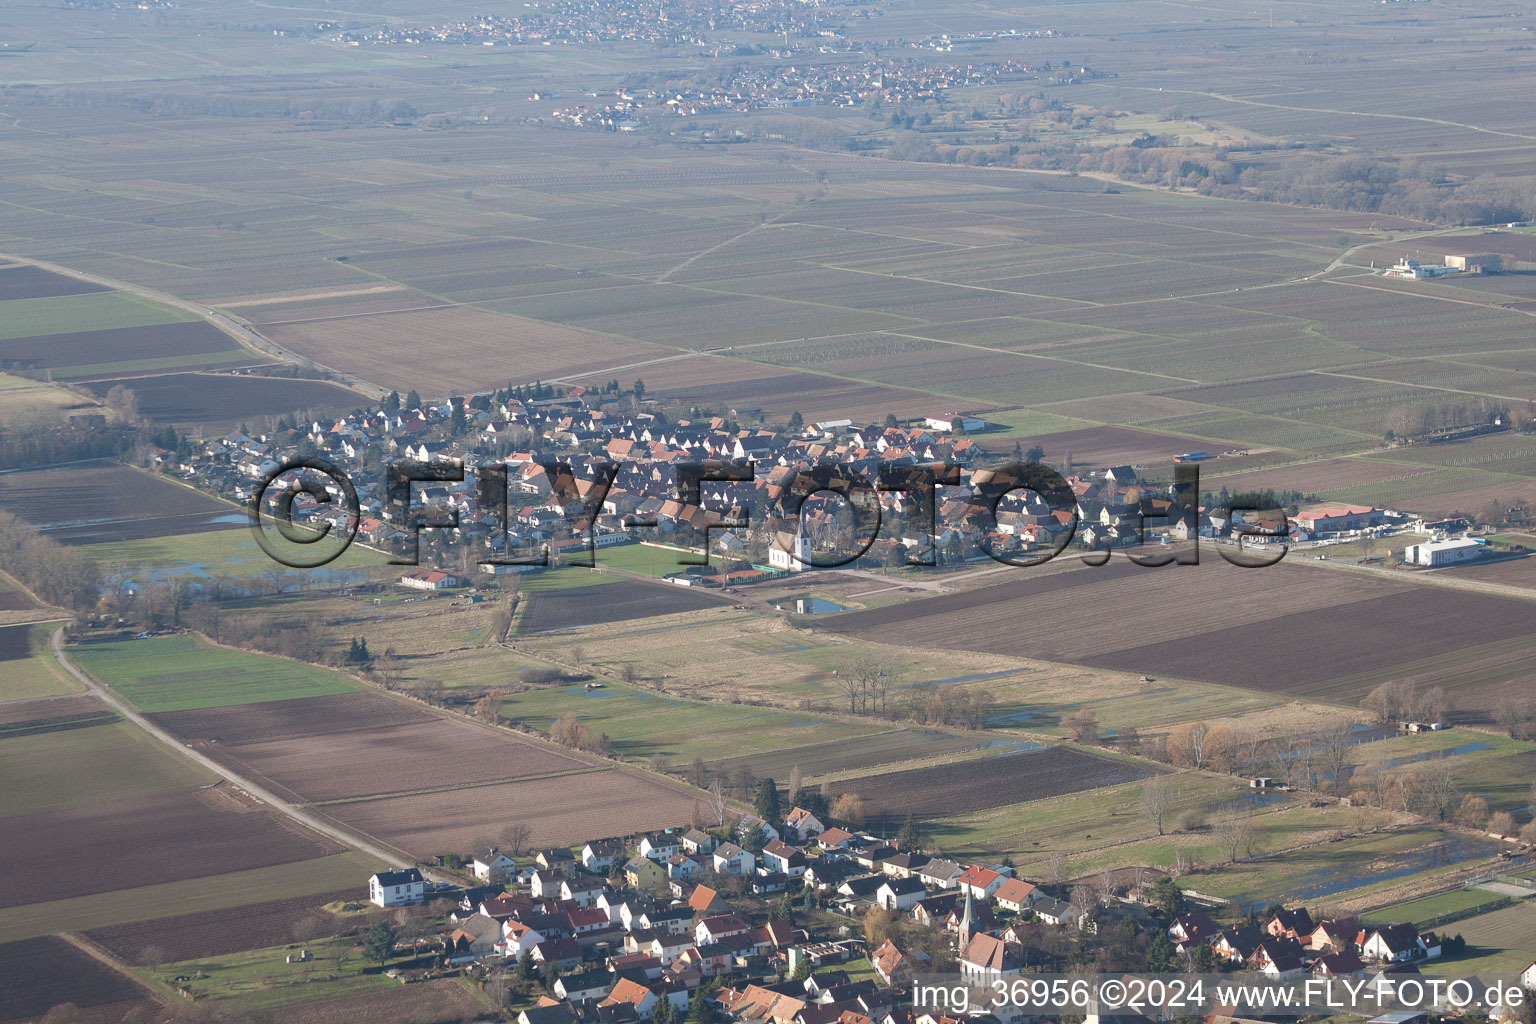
x=1476 y=263
x=1340 y=518
x=955 y=421
x=1434 y=554
x=397 y=888
x=429 y=579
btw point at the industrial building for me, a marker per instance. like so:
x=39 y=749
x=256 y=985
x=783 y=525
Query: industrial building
x=1438 y=553
x=1476 y=263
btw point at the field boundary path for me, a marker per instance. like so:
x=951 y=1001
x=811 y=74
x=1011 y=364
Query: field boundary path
x=298 y=814
x=241 y=332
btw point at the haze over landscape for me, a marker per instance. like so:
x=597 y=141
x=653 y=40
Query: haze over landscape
x=1111 y=551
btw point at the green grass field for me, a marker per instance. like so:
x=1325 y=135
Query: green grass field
x=51 y=771
x=93 y=311
x=1340 y=868
x=1500 y=943
x=1421 y=911
x=645 y=559
x=215 y=892
x=231 y=552
x=643 y=725
x=39 y=675
x=1092 y=829
x=261 y=979
x=178 y=673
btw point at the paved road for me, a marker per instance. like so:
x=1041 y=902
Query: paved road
x=265 y=796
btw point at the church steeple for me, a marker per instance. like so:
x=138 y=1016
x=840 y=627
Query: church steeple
x=967 y=923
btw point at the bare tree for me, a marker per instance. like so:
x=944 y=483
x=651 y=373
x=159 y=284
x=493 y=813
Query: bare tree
x=1334 y=745
x=794 y=784
x=717 y=801
x=516 y=835
x=1232 y=831
x=1156 y=801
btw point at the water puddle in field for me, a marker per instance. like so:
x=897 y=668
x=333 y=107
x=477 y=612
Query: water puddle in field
x=1436 y=755
x=1321 y=883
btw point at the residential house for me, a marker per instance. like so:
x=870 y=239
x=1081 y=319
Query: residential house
x=803 y=825
x=982 y=882
x=1293 y=924
x=1394 y=943
x=1015 y=895
x=705 y=902
x=683 y=867
x=730 y=859
x=895 y=967
x=904 y=865
x=397 y=888
x=834 y=839
x=585 y=985
x=476 y=936
x=493 y=866
x=634 y=994
x=1278 y=958
x=1338 y=964
x=641 y=872
x=518 y=938
x=583 y=890
x=940 y=874
x=752 y=823
x=601 y=855
x=780 y=856
x=553 y=1013
x=1336 y=936
x=1192 y=929
x=564 y=954
x=719 y=928
x=660 y=847
x=556 y=859
x=1058 y=912
x=900 y=893
x=697 y=841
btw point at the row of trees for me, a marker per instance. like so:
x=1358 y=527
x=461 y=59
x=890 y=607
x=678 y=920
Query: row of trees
x=60 y=575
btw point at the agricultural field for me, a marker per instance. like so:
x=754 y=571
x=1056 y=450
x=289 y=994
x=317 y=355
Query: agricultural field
x=559 y=810
x=645 y=725
x=229 y=552
x=212 y=831
x=26 y=669
x=1381 y=640
x=38 y=974
x=977 y=784
x=208 y=932
x=183 y=672
x=212 y=403
x=434 y=754
x=100 y=501
x=210 y=892
x=1499 y=943
x=615 y=602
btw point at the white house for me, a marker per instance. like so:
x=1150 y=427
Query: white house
x=982 y=882
x=731 y=859
x=900 y=893
x=601 y=855
x=397 y=888
x=660 y=847
x=803 y=825
x=940 y=873
x=1016 y=895
x=493 y=866
x=517 y=938
x=1394 y=943
x=1528 y=978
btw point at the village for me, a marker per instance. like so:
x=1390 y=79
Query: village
x=789 y=921
x=622 y=488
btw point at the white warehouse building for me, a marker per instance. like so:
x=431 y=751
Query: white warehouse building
x=1434 y=554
